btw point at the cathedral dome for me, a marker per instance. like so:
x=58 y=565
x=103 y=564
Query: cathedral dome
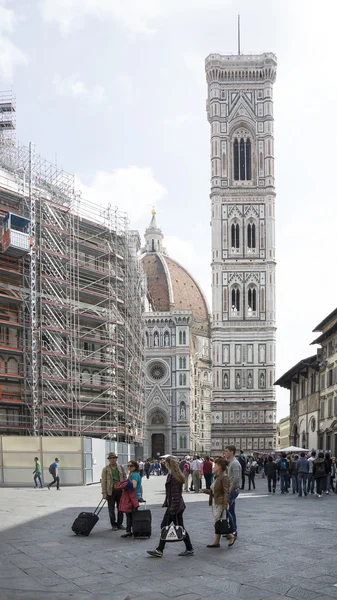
x=170 y=286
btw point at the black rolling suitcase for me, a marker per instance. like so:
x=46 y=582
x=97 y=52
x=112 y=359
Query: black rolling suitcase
x=141 y=523
x=86 y=521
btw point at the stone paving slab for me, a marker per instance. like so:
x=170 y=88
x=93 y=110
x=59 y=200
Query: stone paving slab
x=286 y=549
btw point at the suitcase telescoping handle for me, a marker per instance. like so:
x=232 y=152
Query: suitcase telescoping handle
x=99 y=507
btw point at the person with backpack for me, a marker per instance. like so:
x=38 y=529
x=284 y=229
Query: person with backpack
x=250 y=472
x=54 y=471
x=319 y=470
x=283 y=469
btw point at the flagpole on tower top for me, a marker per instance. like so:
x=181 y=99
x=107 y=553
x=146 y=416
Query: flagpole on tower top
x=239 y=36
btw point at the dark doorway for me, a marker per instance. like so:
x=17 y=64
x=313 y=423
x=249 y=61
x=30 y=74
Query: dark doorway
x=158 y=444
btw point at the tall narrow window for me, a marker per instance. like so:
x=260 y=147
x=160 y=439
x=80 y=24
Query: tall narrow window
x=235 y=235
x=248 y=160
x=236 y=159
x=152 y=245
x=252 y=299
x=251 y=236
x=235 y=299
x=242 y=159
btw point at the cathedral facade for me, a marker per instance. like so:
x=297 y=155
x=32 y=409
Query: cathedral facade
x=178 y=355
x=240 y=113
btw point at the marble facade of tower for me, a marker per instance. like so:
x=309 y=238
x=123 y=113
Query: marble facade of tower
x=240 y=113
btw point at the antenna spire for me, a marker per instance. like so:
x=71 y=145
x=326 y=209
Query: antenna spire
x=239 y=36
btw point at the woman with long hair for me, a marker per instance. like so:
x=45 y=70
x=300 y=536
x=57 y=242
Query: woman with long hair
x=136 y=481
x=219 y=499
x=174 y=505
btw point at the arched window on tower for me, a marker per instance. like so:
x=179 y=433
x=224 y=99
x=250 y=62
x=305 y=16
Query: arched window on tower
x=153 y=249
x=242 y=159
x=236 y=159
x=235 y=236
x=252 y=299
x=235 y=300
x=251 y=236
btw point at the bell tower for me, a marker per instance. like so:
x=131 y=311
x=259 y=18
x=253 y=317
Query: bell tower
x=240 y=113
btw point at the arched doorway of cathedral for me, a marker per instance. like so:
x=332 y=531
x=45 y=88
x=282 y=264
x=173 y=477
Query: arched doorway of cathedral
x=157 y=444
x=158 y=433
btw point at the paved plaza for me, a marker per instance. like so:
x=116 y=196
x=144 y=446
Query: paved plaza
x=287 y=548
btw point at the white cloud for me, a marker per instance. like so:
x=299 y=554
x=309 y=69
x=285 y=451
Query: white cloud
x=72 y=86
x=134 y=15
x=10 y=55
x=177 y=120
x=132 y=189
x=126 y=88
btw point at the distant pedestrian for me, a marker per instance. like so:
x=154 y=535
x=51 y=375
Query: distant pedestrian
x=302 y=474
x=141 y=468
x=293 y=474
x=311 y=479
x=37 y=473
x=54 y=471
x=175 y=507
x=250 y=471
x=147 y=468
x=283 y=469
x=271 y=472
x=243 y=463
x=319 y=473
x=208 y=469
x=234 y=475
x=196 y=473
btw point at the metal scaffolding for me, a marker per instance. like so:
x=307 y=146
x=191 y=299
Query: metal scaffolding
x=75 y=300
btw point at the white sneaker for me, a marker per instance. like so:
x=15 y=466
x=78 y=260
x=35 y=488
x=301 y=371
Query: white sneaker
x=327 y=492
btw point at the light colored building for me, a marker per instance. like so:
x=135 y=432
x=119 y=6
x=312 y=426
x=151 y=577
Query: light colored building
x=302 y=380
x=283 y=429
x=240 y=113
x=178 y=356
x=327 y=434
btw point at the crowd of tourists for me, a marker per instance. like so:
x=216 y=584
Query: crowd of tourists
x=221 y=478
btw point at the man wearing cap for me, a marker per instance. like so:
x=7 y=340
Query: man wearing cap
x=111 y=474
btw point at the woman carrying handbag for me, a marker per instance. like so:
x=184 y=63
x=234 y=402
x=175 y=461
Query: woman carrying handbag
x=219 y=500
x=175 y=507
x=131 y=494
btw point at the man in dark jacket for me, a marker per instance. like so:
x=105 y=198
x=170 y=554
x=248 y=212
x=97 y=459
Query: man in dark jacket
x=243 y=463
x=302 y=474
x=293 y=473
x=271 y=472
x=319 y=471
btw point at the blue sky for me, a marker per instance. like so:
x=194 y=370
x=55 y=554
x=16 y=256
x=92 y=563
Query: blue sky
x=115 y=89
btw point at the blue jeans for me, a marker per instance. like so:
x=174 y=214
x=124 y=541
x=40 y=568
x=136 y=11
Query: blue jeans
x=231 y=508
x=302 y=483
x=38 y=476
x=284 y=481
x=311 y=483
x=294 y=484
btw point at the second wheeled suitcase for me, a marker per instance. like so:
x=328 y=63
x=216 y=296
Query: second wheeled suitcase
x=141 y=523
x=86 y=521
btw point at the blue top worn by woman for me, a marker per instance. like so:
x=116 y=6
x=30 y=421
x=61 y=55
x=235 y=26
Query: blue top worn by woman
x=137 y=477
